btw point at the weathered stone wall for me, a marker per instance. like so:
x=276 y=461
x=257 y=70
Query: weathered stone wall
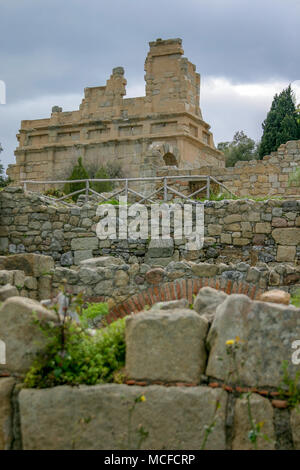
x=130 y=288
x=266 y=177
x=235 y=230
x=109 y=128
x=180 y=378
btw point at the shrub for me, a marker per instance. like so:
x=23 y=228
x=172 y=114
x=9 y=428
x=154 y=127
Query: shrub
x=92 y=313
x=78 y=173
x=73 y=356
x=103 y=186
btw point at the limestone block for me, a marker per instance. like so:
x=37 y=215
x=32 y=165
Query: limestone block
x=22 y=337
x=30 y=283
x=262 y=412
x=287 y=236
x=286 y=253
x=121 y=278
x=276 y=296
x=88 y=276
x=207 y=301
x=6 y=277
x=167 y=346
x=263 y=227
x=4 y=242
x=295 y=426
x=205 y=269
x=87 y=243
x=8 y=291
x=161 y=248
x=101 y=261
x=96 y=417
x=171 y=305
x=6 y=388
x=82 y=255
x=31 y=264
x=214 y=229
x=266 y=332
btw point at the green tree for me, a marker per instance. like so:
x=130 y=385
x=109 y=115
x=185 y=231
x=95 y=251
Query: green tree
x=101 y=186
x=78 y=173
x=280 y=124
x=242 y=148
x=3 y=180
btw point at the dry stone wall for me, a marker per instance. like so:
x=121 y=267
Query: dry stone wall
x=258 y=178
x=196 y=371
x=235 y=230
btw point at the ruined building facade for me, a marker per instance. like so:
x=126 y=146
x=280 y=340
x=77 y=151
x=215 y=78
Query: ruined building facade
x=162 y=128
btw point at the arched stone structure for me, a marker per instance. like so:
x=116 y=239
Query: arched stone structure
x=180 y=289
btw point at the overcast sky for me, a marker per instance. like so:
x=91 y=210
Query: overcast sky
x=245 y=51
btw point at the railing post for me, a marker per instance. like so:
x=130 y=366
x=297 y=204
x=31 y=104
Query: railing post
x=208 y=188
x=87 y=185
x=126 y=189
x=25 y=187
x=165 y=190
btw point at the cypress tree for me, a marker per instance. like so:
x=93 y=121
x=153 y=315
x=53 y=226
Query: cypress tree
x=280 y=124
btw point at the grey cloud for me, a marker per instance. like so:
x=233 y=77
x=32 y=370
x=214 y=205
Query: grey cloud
x=52 y=47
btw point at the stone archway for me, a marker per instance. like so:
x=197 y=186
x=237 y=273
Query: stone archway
x=180 y=289
x=170 y=159
x=166 y=154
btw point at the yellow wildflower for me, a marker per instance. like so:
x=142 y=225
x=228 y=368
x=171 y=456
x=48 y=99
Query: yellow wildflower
x=230 y=342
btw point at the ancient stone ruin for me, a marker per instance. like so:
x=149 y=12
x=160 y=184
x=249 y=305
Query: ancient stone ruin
x=165 y=127
x=207 y=331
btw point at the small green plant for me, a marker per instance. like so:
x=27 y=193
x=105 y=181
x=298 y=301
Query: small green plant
x=54 y=193
x=141 y=433
x=208 y=429
x=232 y=347
x=114 y=202
x=92 y=313
x=255 y=431
x=72 y=356
x=295 y=298
x=289 y=388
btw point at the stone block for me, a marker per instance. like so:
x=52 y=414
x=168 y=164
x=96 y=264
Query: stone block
x=8 y=291
x=262 y=412
x=161 y=248
x=101 y=261
x=82 y=255
x=286 y=253
x=276 y=296
x=207 y=301
x=259 y=362
x=287 y=236
x=6 y=389
x=86 y=243
x=204 y=269
x=97 y=417
x=22 y=337
x=166 y=346
x=295 y=426
x=31 y=264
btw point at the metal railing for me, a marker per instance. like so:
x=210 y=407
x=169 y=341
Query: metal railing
x=165 y=188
